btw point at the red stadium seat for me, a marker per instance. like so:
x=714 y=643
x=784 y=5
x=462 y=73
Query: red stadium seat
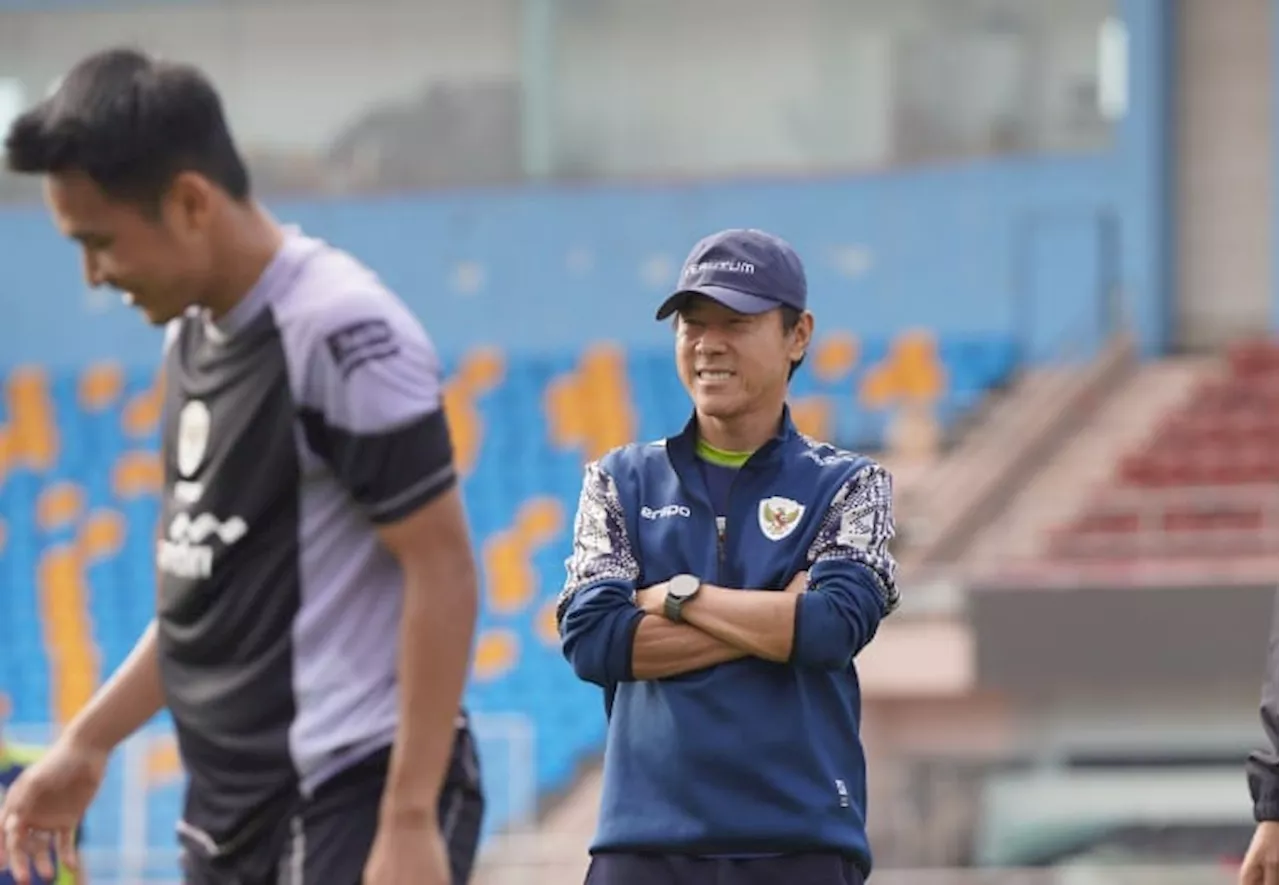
x=1204 y=484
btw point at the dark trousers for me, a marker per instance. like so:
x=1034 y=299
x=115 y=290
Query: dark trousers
x=328 y=840
x=667 y=869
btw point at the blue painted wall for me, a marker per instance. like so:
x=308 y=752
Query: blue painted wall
x=986 y=246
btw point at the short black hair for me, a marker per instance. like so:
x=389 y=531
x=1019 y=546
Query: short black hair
x=131 y=123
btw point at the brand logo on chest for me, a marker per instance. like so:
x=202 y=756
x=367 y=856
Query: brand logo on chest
x=666 y=512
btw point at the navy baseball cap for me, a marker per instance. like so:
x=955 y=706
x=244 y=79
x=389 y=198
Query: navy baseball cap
x=748 y=271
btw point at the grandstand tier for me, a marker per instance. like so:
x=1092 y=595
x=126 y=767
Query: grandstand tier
x=79 y=476
x=1203 y=484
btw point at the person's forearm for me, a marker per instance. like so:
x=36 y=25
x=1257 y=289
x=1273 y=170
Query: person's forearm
x=663 y=649
x=758 y=622
x=435 y=651
x=127 y=700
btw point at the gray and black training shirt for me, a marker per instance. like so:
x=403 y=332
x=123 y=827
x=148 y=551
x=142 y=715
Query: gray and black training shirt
x=293 y=426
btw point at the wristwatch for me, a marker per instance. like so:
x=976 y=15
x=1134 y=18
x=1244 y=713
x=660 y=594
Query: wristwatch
x=680 y=590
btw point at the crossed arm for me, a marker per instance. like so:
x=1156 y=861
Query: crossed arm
x=720 y=626
x=613 y=632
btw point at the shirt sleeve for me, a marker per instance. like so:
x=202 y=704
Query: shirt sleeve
x=371 y=406
x=1261 y=766
x=851 y=574
x=596 y=610
x=601 y=547
x=857 y=530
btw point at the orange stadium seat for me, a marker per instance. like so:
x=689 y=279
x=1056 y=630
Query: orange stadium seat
x=79 y=478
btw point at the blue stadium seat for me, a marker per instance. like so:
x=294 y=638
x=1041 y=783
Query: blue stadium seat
x=516 y=461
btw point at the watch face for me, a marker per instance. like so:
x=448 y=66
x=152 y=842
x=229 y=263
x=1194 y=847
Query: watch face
x=683 y=586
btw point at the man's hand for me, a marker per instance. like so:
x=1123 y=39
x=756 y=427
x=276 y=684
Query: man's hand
x=408 y=853
x=650 y=600
x=1262 y=861
x=799 y=584
x=45 y=806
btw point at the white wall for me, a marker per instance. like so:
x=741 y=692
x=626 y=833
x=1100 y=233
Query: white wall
x=1226 y=167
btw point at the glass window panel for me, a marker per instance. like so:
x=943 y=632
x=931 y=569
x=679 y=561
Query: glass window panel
x=322 y=95
x=689 y=87
x=401 y=95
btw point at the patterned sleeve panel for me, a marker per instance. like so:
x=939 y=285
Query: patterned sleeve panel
x=601 y=547
x=858 y=528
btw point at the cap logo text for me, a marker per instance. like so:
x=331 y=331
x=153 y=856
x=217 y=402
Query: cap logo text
x=744 y=267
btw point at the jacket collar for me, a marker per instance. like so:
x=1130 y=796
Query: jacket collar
x=683 y=446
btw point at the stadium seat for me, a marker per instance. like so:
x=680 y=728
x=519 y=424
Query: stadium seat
x=88 y=439
x=1203 y=484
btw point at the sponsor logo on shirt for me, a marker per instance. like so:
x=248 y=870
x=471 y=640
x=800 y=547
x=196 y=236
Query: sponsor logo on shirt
x=361 y=342
x=188 y=549
x=666 y=512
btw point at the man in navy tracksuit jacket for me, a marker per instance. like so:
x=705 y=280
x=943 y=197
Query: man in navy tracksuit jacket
x=720 y=584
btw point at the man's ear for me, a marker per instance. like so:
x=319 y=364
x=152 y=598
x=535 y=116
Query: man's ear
x=801 y=337
x=190 y=203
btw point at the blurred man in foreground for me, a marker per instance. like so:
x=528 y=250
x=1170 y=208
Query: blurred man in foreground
x=316 y=586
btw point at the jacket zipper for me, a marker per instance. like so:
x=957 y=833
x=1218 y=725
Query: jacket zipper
x=722 y=530
x=721 y=526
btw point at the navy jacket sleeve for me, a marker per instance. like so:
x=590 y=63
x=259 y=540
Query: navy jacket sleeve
x=596 y=612
x=1262 y=763
x=851 y=573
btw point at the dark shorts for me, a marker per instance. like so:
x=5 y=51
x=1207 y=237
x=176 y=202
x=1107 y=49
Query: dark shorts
x=328 y=840
x=666 y=869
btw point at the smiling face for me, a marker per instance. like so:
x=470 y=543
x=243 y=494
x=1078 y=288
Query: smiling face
x=161 y=258
x=736 y=365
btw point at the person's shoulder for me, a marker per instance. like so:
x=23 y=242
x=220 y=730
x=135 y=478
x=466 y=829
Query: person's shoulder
x=614 y=473
x=331 y=286
x=632 y=457
x=339 y=303
x=832 y=463
x=828 y=457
